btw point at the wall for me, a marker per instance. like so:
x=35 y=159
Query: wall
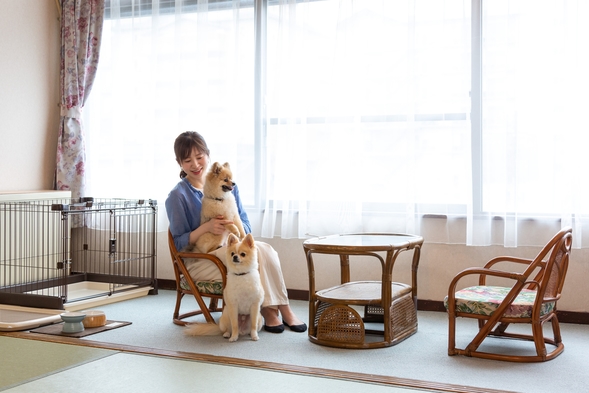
x=29 y=83
x=29 y=93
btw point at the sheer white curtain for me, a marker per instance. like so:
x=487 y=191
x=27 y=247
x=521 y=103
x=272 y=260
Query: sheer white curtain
x=368 y=117
x=169 y=67
x=534 y=127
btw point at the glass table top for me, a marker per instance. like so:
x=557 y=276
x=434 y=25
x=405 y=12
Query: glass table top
x=364 y=240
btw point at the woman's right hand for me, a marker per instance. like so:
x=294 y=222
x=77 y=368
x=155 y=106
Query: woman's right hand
x=217 y=225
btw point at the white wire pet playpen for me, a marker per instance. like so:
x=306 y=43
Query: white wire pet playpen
x=53 y=252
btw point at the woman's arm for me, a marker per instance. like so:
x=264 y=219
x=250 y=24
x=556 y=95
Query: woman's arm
x=183 y=207
x=178 y=220
x=242 y=214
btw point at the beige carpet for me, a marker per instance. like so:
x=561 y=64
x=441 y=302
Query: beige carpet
x=422 y=358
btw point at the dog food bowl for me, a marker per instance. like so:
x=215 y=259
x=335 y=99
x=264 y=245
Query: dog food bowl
x=73 y=322
x=94 y=318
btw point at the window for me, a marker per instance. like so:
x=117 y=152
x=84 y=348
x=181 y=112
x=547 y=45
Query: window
x=346 y=116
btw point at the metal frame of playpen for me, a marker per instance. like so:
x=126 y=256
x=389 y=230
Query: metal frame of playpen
x=46 y=245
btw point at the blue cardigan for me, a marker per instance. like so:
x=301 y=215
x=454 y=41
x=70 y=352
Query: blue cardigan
x=183 y=207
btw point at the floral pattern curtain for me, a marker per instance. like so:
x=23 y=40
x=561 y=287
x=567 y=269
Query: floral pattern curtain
x=81 y=30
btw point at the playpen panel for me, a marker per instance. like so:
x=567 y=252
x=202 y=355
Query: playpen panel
x=33 y=243
x=47 y=244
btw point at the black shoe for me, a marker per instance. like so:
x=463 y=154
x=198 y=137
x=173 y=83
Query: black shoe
x=274 y=329
x=296 y=328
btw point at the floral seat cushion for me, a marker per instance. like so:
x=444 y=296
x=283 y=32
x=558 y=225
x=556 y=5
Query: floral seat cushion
x=484 y=300
x=211 y=287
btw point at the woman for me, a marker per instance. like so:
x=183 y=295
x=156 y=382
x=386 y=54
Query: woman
x=183 y=206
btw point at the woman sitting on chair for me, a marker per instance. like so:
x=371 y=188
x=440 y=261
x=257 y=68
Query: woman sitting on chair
x=183 y=207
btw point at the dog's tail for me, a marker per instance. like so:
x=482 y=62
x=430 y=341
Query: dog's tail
x=202 y=329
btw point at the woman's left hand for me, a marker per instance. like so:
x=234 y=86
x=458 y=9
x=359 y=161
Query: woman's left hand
x=217 y=225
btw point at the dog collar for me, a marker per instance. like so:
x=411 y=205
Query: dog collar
x=217 y=199
x=241 y=274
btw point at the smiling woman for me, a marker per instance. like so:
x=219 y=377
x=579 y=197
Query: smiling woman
x=339 y=118
x=184 y=206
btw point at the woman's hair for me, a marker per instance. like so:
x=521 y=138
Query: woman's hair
x=186 y=143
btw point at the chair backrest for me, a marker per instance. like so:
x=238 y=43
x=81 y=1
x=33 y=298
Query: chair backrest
x=173 y=250
x=178 y=271
x=549 y=280
x=213 y=290
x=171 y=245
x=178 y=262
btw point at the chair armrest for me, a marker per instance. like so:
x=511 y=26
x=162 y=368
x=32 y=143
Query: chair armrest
x=530 y=263
x=521 y=261
x=482 y=272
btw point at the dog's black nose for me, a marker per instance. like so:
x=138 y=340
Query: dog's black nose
x=235 y=259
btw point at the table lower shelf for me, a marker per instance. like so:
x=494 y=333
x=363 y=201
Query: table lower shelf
x=338 y=324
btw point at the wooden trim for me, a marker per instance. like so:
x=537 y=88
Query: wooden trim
x=430 y=305
x=298 y=294
x=573 y=317
x=563 y=316
x=165 y=284
x=422 y=305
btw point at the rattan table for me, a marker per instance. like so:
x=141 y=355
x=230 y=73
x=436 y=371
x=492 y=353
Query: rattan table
x=333 y=316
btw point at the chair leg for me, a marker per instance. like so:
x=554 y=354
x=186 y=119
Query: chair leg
x=499 y=330
x=481 y=335
x=556 y=329
x=205 y=311
x=538 y=335
x=179 y=296
x=451 y=335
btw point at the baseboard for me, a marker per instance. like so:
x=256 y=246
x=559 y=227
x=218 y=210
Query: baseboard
x=422 y=305
x=563 y=316
x=166 y=284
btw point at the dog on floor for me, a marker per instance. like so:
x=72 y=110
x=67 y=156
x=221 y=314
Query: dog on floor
x=242 y=296
x=218 y=200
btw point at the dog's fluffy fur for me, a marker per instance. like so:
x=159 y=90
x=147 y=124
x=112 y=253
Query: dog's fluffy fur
x=242 y=296
x=218 y=200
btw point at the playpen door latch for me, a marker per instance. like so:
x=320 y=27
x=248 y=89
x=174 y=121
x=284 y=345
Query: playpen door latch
x=113 y=246
x=63 y=264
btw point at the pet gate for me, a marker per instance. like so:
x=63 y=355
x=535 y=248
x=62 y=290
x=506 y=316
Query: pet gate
x=97 y=246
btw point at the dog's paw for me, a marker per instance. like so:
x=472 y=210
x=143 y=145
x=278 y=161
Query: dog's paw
x=226 y=334
x=255 y=337
x=233 y=338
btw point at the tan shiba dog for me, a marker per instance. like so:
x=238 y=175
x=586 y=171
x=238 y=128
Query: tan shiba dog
x=218 y=200
x=243 y=294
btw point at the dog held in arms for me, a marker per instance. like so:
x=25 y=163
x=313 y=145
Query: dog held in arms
x=218 y=200
x=243 y=294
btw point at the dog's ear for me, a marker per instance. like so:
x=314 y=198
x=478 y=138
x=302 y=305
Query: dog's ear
x=226 y=165
x=249 y=240
x=216 y=168
x=232 y=239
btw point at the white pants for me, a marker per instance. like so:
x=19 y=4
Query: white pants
x=275 y=293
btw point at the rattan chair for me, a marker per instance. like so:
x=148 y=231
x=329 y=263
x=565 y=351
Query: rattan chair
x=530 y=300
x=200 y=290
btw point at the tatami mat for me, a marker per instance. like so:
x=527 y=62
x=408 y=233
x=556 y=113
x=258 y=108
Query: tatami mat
x=25 y=360
x=36 y=366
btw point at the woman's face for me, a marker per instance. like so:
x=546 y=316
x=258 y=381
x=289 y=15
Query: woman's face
x=195 y=166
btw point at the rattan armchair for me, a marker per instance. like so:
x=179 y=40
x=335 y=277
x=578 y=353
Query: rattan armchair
x=530 y=300
x=202 y=289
